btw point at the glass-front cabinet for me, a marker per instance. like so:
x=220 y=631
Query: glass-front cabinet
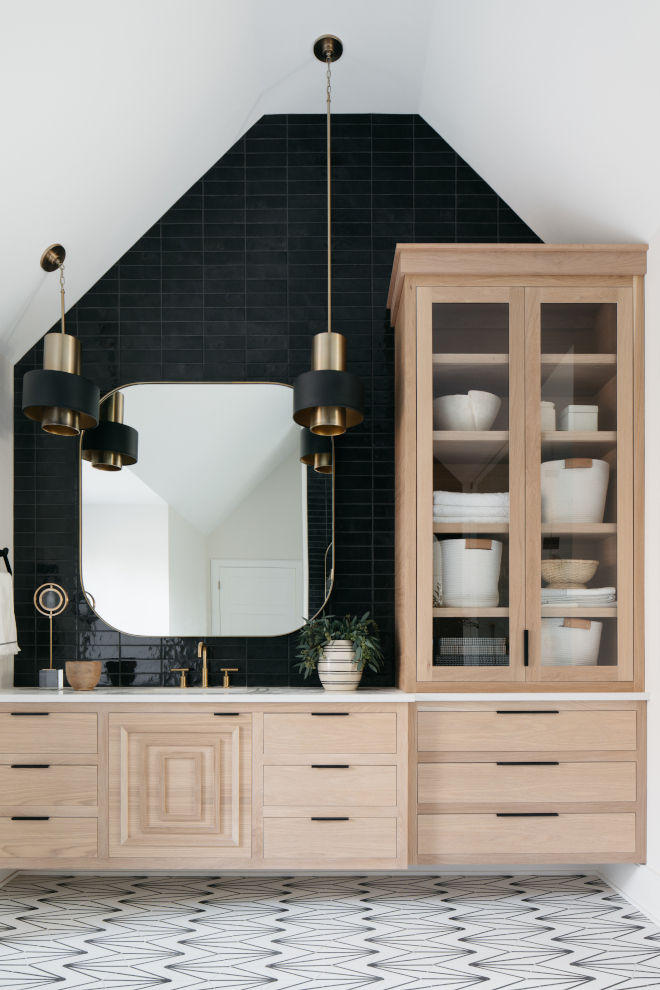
x=519 y=466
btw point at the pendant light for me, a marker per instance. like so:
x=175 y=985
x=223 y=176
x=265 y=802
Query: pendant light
x=316 y=451
x=59 y=397
x=328 y=399
x=111 y=445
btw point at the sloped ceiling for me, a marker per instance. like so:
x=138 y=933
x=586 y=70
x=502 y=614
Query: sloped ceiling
x=112 y=110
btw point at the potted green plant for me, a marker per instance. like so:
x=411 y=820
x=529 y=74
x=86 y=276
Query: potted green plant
x=340 y=648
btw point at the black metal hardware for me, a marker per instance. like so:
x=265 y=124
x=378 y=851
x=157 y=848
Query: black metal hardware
x=330 y=766
x=30 y=766
x=526 y=646
x=527 y=814
x=30 y=818
x=227 y=714
x=530 y=763
x=5 y=554
x=532 y=711
x=330 y=819
x=30 y=714
x=329 y=713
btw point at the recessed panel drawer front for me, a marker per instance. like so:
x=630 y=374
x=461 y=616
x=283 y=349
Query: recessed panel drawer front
x=59 y=786
x=540 y=837
x=326 y=786
x=562 y=731
x=51 y=732
x=59 y=838
x=299 y=839
x=354 y=732
x=474 y=783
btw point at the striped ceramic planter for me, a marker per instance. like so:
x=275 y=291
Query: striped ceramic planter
x=336 y=668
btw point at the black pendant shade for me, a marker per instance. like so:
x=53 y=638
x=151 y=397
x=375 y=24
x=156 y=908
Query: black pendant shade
x=327 y=388
x=112 y=444
x=316 y=451
x=45 y=390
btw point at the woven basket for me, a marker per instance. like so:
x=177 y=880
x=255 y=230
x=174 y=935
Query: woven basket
x=568 y=573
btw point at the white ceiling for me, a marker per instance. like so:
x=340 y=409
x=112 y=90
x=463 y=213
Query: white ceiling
x=112 y=110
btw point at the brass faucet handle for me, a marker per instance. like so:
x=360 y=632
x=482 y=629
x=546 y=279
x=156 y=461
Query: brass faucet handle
x=227 y=671
x=183 y=671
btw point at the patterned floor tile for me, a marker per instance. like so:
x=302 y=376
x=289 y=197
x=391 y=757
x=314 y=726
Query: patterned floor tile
x=323 y=933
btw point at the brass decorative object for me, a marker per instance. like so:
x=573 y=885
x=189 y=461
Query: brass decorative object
x=50 y=600
x=58 y=396
x=328 y=399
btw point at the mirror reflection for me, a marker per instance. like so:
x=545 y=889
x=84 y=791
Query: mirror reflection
x=218 y=529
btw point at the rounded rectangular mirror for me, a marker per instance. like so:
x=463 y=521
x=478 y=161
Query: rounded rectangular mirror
x=218 y=529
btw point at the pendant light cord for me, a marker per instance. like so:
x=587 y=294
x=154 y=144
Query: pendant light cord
x=62 y=295
x=327 y=76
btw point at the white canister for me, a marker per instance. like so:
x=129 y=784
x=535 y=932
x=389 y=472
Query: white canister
x=570 y=642
x=437 y=573
x=336 y=668
x=548 y=417
x=471 y=573
x=574 y=490
x=578 y=418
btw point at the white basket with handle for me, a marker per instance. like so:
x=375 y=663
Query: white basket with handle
x=574 y=490
x=471 y=573
x=570 y=642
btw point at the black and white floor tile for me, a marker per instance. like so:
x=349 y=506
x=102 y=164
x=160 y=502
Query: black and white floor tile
x=322 y=933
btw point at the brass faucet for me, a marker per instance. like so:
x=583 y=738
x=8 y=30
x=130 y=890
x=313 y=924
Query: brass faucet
x=183 y=671
x=201 y=652
x=226 y=672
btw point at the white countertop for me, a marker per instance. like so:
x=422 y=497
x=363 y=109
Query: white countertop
x=263 y=695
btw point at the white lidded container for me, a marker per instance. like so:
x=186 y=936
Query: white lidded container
x=471 y=573
x=578 y=418
x=548 y=417
x=574 y=490
x=437 y=572
x=574 y=645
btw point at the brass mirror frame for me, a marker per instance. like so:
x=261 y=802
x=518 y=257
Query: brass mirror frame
x=87 y=595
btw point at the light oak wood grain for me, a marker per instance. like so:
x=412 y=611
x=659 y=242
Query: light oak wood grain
x=297 y=839
x=54 y=838
x=307 y=734
x=57 y=786
x=352 y=787
x=56 y=732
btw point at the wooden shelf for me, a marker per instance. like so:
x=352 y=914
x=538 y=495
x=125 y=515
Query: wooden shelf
x=578 y=529
x=458 y=373
x=587 y=373
x=470 y=527
x=469 y=446
x=570 y=612
x=470 y=613
x=579 y=443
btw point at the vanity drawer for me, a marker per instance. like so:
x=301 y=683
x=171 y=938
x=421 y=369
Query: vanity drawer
x=325 y=732
x=472 y=783
x=468 y=836
x=58 y=838
x=51 y=732
x=354 y=838
x=515 y=731
x=27 y=786
x=326 y=786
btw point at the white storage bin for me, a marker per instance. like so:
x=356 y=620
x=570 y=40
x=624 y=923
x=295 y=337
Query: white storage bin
x=574 y=494
x=548 y=417
x=437 y=573
x=470 y=574
x=572 y=645
x=578 y=418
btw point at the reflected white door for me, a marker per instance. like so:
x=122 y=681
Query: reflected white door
x=256 y=597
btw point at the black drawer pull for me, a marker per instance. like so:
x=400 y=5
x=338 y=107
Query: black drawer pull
x=30 y=714
x=526 y=647
x=331 y=714
x=330 y=819
x=530 y=763
x=330 y=766
x=527 y=814
x=227 y=714
x=30 y=766
x=29 y=818
x=532 y=711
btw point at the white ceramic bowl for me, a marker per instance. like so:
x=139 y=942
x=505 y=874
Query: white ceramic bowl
x=474 y=411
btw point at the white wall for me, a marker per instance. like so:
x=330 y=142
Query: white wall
x=133 y=584
x=268 y=524
x=7 y=486
x=188 y=577
x=642 y=883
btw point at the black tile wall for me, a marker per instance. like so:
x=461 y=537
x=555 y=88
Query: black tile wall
x=230 y=284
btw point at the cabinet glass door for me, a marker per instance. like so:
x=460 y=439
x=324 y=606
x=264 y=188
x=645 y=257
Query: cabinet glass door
x=579 y=484
x=470 y=483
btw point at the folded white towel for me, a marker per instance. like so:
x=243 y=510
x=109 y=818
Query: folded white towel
x=471 y=499
x=472 y=518
x=8 y=644
x=576 y=597
x=488 y=511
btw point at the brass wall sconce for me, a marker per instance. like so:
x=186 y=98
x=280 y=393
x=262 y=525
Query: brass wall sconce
x=51 y=600
x=59 y=397
x=112 y=444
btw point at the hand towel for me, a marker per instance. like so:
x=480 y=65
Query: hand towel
x=487 y=511
x=8 y=644
x=471 y=499
x=577 y=597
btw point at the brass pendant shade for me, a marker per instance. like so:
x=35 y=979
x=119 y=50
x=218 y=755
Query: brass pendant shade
x=328 y=400
x=58 y=396
x=112 y=444
x=316 y=451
